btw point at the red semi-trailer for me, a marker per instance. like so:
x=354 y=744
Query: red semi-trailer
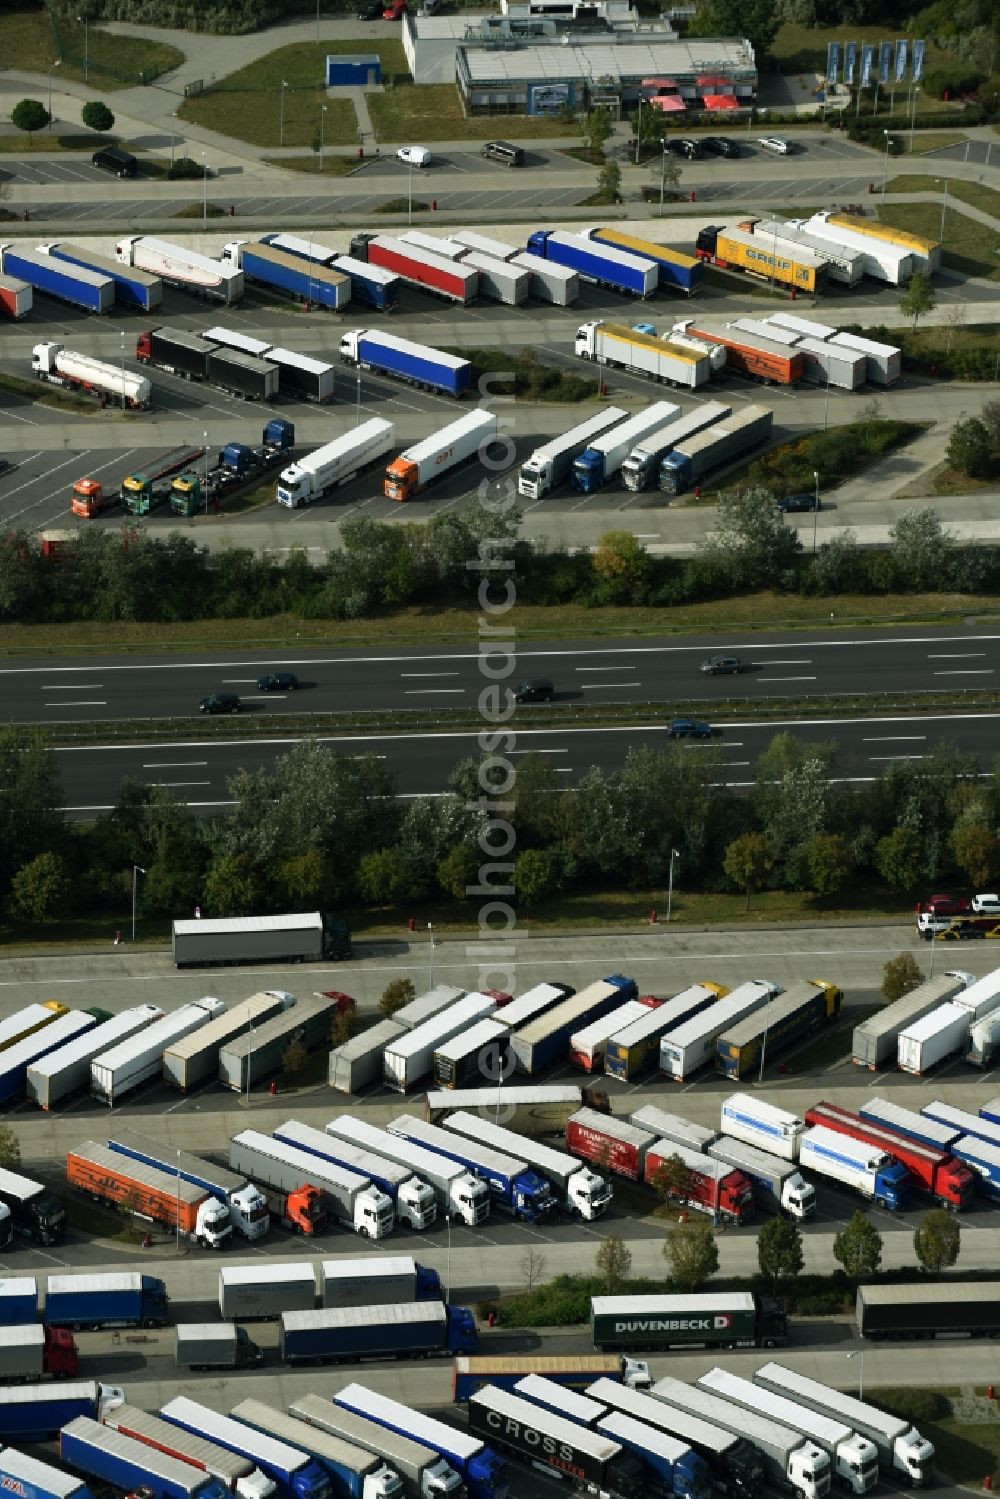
x=935 y=1173
x=729 y=1197
x=449 y=278
x=612 y=1144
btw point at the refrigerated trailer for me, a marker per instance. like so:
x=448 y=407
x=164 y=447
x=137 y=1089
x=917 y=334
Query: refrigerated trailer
x=67 y=1069
x=689 y=1047
x=967 y=1309
x=708 y=1319
x=424 y=1471
x=631 y=1051
x=875 y=1040
x=255 y=1055
x=139 y=1059
x=300 y=938
x=358 y=1062
x=181 y=267
x=411 y=1056
x=588 y=1046
x=237 y=1473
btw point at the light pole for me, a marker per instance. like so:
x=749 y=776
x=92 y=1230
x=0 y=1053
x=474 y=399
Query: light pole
x=250 y=1052
x=123 y=368
x=281 y=116
x=430 y=930
x=409 y=197
x=357 y=414
x=860 y=1354
x=913 y=111
x=816 y=502
x=51 y=71
x=763 y=1042
x=205 y=440
x=317 y=20
x=322 y=124
x=204 y=202
x=944 y=207
x=638 y=129
x=663 y=172
x=86 y=47
x=137 y=869
x=447 y=1219
x=177 y=1209
x=670 y=882
x=885 y=165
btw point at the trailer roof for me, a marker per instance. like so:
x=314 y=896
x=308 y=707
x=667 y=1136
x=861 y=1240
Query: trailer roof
x=182 y=1160
x=483 y=1157
x=377 y=1037
x=376 y=1266
x=23 y=1335
x=91 y=1043
x=751 y=1424
x=436 y=1434
x=423 y=1160
x=744 y=1392
x=67 y=1389
x=237 y=1434
x=625 y=1429
x=853 y=1411
x=938 y=1019
x=279 y=1025
x=655 y=1021
x=302 y=1434
x=480 y=420
x=211 y=926
x=399 y=1314
x=143 y=1425
x=960 y=1119
x=610 y=253
x=564 y=1013
x=569 y=1403
x=478 y=1035
x=471 y=1126
x=785 y=1005
x=524 y=1007
x=660 y=1414
x=45 y=1039
x=617 y=1129
x=967 y=1292
x=21 y=1285
x=40 y=1475
x=260 y=1273
x=541 y=267
x=157 y=1178
x=609 y=1026
x=731 y=1006
x=594 y=1444
x=464 y=1011
x=243 y=1014
x=315 y=1170
x=909 y=1121
x=154 y=1036
x=704 y=1303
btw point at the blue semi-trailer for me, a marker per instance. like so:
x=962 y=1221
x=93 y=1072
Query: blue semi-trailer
x=307 y=281
x=514 y=1187
x=35 y=1412
x=27 y=1478
x=430 y=369
x=418 y=1329
x=615 y=269
x=73 y=284
x=122 y=1298
x=121 y=1461
x=133 y=288
x=294 y=1474
x=354 y=1472
x=18 y=1301
x=485 y=1473
x=371 y=285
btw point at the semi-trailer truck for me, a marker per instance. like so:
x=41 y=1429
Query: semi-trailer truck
x=214 y=1345
x=371 y=1282
x=575 y=1371
x=252 y=1057
x=708 y=1319
x=485 y=1475
x=867 y=1169
x=294 y=1475
x=634 y=1049
x=671 y=1466
x=684 y=1050
x=703 y=1184
x=334 y=1335
x=194 y=1060
x=779 y=1186
x=423 y=268
x=216 y=280
x=608 y=267
x=139 y=1059
x=589 y=1045
x=472 y=1054
x=410 y=1057
x=67 y=1069
x=296 y=937
x=545 y=1040
x=414 y=1201
x=319 y=473
x=934 y=1172
x=267 y=265
x=57 y=365
x=371 y=286
x=609 y=1143
x=735 y=1465
x=424 y=1471
x=459 y=1193
x=968 y=1309
x=133 y=288
x=802 y=1009
x=353 y=1472
x=352 y=1200
x=402 y=359
x=118 y=1298
x=67 y=283
x=791 y=1461
x=34 y=1210
x=265 y=1291
x=29 y=1479
x=553 y=1444
x=902 y=1451
x=36 y=1413
x=15 y=1061
x=530 y=1109
x=29 y=1352
x=641 y=468
x=128 y=1465
x=744 y=1117
x=514 y=1187
x=238 y=1474
x=853 y=1458
x=725 y=441
x=644 y=353
x=603 y=458
x=151 y=1192
x=425 y=462
x=579 y=1192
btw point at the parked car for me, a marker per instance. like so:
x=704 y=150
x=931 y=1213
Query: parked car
x=776 y=143
x=220 y=702
x=946 y=905
x=792 y=503
x=691 y=149
x=717 y=666
x=394 y=12
x=986 y=905
x=414 y=156
x=535 y=690
x=719 y=145
x=278 y=681
x=372 y=11
x=689 y=728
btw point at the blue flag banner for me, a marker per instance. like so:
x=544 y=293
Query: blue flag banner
x=918 y=61
x=901 y=49
x=885 y=52
x=850 y=61
x=867 y=63
x=832 y=62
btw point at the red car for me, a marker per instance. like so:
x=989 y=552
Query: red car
x=946 y=905
x=395 y=12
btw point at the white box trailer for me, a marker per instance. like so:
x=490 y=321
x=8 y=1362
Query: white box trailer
x=358 y=1471
x=883 y=261
x=358 y=1062
x=427 y=1005
x=531 y=1109
x=667 y=1126
x=692 y=1045
x=415 y=1200
x=237 y=1472
x=779 y=1186
x=257 y=1054
x=458 y=1191
x=642 y=353
x=182 y=267
x=980 y=998
x=444 y=450
x=194 y=1059
x=139 y=1059
x=587 y=1046
x=321 y=472
x=806 y=326
x=746 y=1117
x=642 y=466
x=760 y=328
x=875 y=1041
x=828 y=363
x=67 y=1069
x=356 y=1203
x=242 y=342
x=498 y=280
x=984 y=1039
x=451 y=249
x=532 y=1002
x=555 y=284
x=929 y=1040
x=259 y=1291
x=901 y=1448
x=485 y=245
x=423 y=1470
x=845 y=266
x=474 y=1054
x=411 y=1056
x=883 y=362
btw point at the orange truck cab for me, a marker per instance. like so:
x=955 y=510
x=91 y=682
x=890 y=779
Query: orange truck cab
x=87 y=497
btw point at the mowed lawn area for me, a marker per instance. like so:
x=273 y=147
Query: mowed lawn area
x=433 y=112
x=27 y=41
x=246 y=105
x=967 y=245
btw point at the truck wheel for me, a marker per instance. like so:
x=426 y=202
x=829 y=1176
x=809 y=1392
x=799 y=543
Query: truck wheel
x=152 y=1322
x=77 y=1326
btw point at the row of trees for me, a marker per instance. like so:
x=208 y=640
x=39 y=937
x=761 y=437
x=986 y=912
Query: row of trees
x=31 y=115
x=327 y=830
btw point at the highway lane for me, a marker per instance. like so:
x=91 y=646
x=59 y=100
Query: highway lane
x=637 y=671
x=197 y=770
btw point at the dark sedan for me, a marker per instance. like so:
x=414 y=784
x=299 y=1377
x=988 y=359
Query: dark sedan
x=278 y=681
x=689 y=728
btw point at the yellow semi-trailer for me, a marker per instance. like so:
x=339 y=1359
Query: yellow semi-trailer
x=25 y=1022
x=763 y=256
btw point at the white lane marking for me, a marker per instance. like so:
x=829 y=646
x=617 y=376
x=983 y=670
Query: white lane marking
x=791 y=662
x=81 y=702
x=426 y=691
x=786 y=679
x=894 y=738
x=172 y=764
x=604 y=668
x=606 y=686
x=72 y=686
x=953 y=655
x=406 y=674
x=975 y=671
x=896 y=757
x=180 y=783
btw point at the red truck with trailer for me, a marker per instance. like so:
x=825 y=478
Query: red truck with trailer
x=728 y=1196
x=935 y=1173
x=420 y=267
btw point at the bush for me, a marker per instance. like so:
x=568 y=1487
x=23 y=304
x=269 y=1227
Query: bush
x=919 y=1406
x=185 y=168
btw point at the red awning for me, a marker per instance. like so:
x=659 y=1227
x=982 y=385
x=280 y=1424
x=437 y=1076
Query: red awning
x=720 y=101
x=668 y=104
x=660 y=84
x=712 y=80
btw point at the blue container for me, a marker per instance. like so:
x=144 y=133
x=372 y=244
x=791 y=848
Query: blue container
x=484 y=1472
x=28 y=1478
x=295 y=1475
x=420 y=1328
x=18 y=1302
x=310 y=282
x=36 y=1412
x=616 y=269
x=127 y=1464
x=133 y=288
x=983 y=1160
x=73 y=284
x=15 y=1061
x=416 y=362
x=371 y=286
x=118 y=1299
x=354 y=70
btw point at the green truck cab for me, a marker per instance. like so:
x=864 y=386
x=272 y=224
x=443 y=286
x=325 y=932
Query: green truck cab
x=186 y=496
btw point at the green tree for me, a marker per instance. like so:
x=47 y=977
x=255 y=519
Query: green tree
x=838 y=565
x=234 y=886
x=609 y=182
x=30 y=801
x=748 y=861
x=10 y=1149
x=395 y=995
x=97 y=116
x=779 y=1250
x=294 y=1057
x=130 y=1206
x=758 y=20
x=969 y=448
x=40 y=889
x=383 y=877
x=614 y=1263
x=990 y=418
x=345 y=1024
x=937 y=1241
x=828 y=860
x=621 y=559
x=672 y=1180
x=858 y=1247
x=458 y=870
x=536 y=876
x=899 y=976
x=899 y=858
x=29 y=115
x=306 y=879
x=598 y=129
x=752 y=543
x=692 y=1254
x=919 y=297
x=977 y=852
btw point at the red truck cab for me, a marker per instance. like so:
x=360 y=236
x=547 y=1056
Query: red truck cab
x=396 y=11
x=61 y=1357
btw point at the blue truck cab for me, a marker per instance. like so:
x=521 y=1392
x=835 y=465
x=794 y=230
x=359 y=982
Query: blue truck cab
x=484 y=1472
x=294 y=1474
x=893 y=1187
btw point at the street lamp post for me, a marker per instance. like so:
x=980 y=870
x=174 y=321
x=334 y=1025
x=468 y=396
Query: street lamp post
x=137 y=869
x=322 y=125
x=51 y=71
x=816 y=502
x=86 y=47
x=447 y=1219
x=944 y=207
x=123 y=368
x=317 y=20
x=763 y=1040
x=250 y=1051
x=860 y=1354
x=663 y=172
x=204 y=200
x=409 y=197
x=430 y=931
x=913 y=111
x=281 y=115
x=357 y=410
x=670 y=882
x=885 y=164
x=205 y=440
x=177 y=1209
x=638 y=129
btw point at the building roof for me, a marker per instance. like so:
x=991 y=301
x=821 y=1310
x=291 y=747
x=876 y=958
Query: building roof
x=603 y=59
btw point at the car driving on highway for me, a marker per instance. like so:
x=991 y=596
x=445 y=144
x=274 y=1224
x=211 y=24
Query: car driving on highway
x=689 y=728
x=220 y=702
x=278 y=681
x=717 y=666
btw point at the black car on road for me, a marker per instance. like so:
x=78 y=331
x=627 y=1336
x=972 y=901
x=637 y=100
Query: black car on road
x=535 y=690
x=220 y=702
x=719 y=145
x=792 y=504
x=717 y=666
x=278 y=681
x=689 y=728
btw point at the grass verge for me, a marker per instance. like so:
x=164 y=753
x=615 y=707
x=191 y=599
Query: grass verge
x=433 y=112
x=47 y=395
x=798 y=48
x=246 y=105
x=533 y=381
x=967 y=246
x=789 y=467
x=333 y=166
x=116 y=62
x=973 y=193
